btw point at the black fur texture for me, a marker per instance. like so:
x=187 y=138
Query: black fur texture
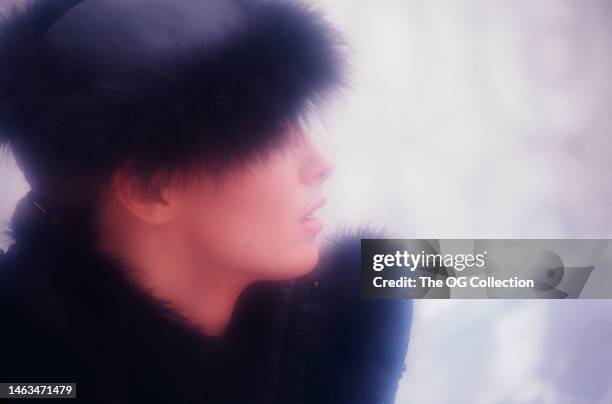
x=87 y=85
x=72 y=316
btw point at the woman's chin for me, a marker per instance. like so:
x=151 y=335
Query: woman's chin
x=309 y=261
x=298 y=263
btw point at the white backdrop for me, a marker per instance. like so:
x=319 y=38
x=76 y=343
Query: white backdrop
x=477 y=118
x=482 y=118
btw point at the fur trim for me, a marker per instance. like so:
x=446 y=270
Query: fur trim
x=74 y=316
x=77 y=101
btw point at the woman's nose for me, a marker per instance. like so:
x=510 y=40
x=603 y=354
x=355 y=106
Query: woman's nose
x=317 y=166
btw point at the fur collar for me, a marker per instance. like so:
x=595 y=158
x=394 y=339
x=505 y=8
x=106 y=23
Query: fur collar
x=75 y=317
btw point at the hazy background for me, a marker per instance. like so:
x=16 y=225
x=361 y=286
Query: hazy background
x=477 y=118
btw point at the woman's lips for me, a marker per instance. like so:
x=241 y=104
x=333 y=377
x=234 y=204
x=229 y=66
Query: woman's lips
x=312 y=208
x=312 y=224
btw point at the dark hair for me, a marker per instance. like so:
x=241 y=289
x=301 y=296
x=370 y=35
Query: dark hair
x=87 y=85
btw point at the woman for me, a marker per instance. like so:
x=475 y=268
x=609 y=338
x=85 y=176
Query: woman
x=167 y=251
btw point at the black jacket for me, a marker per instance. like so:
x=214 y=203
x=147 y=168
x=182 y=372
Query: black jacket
x=71 y=316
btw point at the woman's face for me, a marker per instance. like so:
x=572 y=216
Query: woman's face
x=259 y=220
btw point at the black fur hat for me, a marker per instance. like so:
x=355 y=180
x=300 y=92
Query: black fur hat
x=87 y=85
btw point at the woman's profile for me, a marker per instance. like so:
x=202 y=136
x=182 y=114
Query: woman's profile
x=167 y=251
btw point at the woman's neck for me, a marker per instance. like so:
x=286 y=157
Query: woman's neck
x=203 y=293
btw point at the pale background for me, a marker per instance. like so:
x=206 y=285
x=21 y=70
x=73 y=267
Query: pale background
x=477 y=118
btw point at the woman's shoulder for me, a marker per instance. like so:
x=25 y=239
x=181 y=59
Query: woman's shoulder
x=338 y=278
x=34 y=334
x=357 y=345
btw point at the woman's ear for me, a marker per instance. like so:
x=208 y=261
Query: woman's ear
x=152 y=200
